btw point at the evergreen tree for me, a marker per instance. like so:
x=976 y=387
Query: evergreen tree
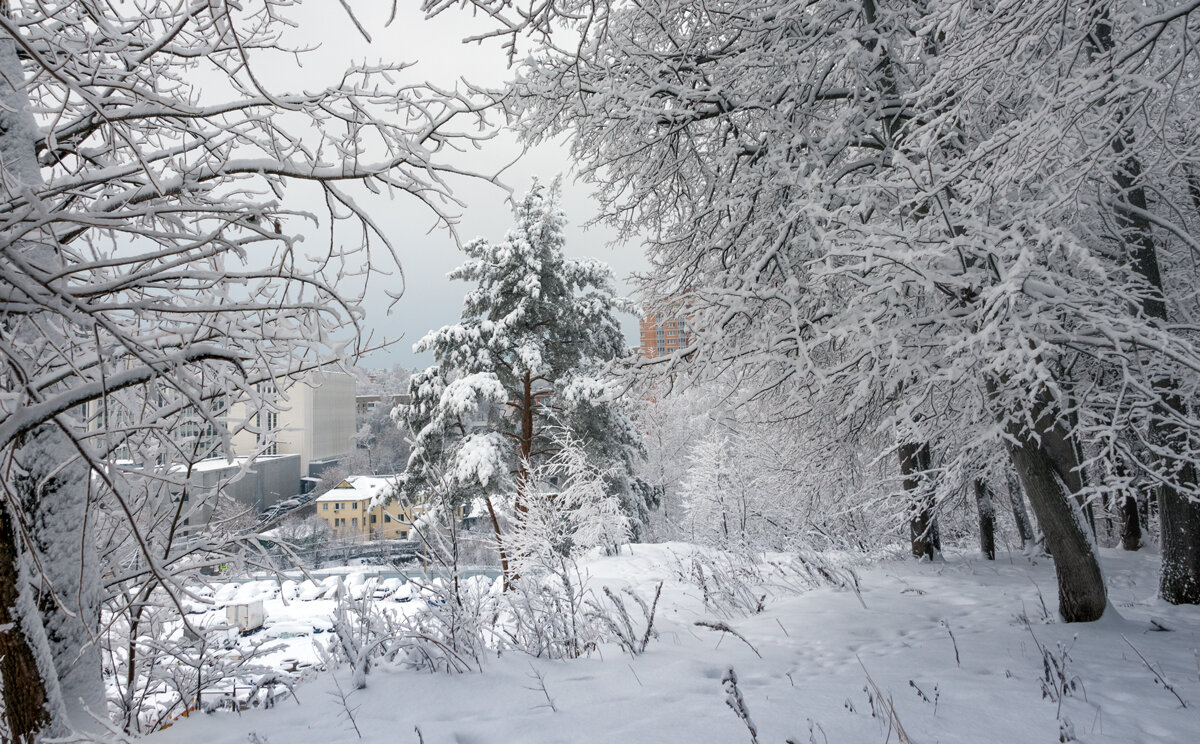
x=526 y=360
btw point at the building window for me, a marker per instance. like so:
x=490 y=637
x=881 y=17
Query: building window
x=354 y=522
x=355 y=505
x=372 y=519
x=387 y=518
x=325 y=507
x=403 y=534
x=272 y=427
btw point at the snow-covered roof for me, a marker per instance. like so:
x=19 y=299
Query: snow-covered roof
x=357 y=487
x=220 y=463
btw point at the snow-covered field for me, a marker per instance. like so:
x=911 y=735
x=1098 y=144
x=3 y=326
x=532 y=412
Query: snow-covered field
x=939 y=653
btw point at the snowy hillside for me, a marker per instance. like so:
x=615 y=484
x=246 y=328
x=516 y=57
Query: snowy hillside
x=954 y=651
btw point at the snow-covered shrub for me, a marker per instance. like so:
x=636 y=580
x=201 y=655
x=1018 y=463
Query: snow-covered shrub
x=554 y=615
x=732 y=584
x=615 y=617
x=360 y=633
x=547 y=618
x=449 y=630
x=565 y=509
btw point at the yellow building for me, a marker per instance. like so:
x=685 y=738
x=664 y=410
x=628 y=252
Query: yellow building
x=347 y=509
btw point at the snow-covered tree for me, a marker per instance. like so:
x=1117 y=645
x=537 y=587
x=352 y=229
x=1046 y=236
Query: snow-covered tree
x=528 y=358
x=717 y=494
x=151 y=272
x=966 y=222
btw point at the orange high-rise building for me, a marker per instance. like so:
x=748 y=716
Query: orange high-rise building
x=663 y=336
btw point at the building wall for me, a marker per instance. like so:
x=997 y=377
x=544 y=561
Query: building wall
x=350 y=519
x=330 y=425
x=257 y=488
x=661 y=336
x=315 y=420
x=279 y=478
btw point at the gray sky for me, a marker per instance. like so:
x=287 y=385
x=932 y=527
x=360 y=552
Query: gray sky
x=430 y=300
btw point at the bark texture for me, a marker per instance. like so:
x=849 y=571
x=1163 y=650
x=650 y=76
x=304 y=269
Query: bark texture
x=52 y=485
x=987 y=520
x=922 y=524
x=26 y=714
x=1082 y=596
x=1131 y=523
x=1016 y=498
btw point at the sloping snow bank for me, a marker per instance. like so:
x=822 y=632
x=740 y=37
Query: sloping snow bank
x=954 y=649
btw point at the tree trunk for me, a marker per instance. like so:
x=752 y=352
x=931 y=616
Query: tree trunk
x=1063 y=450
x=1131 y=517
x=1131 y=524
x=1081 y=592
x=1016 y=499
x=47 y=481
x=26 y=713
x=1179 y=518
x=52 y=485
x=922 y=524
x=505 y=569
x=987 y=520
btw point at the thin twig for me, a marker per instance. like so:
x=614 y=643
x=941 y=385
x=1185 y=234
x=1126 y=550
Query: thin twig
x=893 y=718
x=724 y=628
x=1162 y=680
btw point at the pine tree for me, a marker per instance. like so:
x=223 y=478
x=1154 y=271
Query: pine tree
x=526 y=360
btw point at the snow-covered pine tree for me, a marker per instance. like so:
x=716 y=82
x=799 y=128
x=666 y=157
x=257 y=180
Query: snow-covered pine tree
x=528 y=357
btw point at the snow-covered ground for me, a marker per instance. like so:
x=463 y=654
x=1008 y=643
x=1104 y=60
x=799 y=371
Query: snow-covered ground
x=945 y=645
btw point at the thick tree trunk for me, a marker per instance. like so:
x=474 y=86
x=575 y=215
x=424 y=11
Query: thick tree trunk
x=26 y=713
x=1081 y=592
x=48 y=483
x=1063 y=450
x=987 y=520
x=922 y=524
x=52 y=485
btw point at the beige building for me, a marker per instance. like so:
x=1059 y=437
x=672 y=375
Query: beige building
x=347 y=509
x=315 y=420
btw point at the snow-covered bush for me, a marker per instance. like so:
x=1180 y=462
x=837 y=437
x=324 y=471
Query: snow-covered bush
x=565 y=509
x=732 y=583
x=450 y=629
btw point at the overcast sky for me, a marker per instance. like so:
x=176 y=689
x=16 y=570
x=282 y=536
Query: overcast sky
x=429 y=299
